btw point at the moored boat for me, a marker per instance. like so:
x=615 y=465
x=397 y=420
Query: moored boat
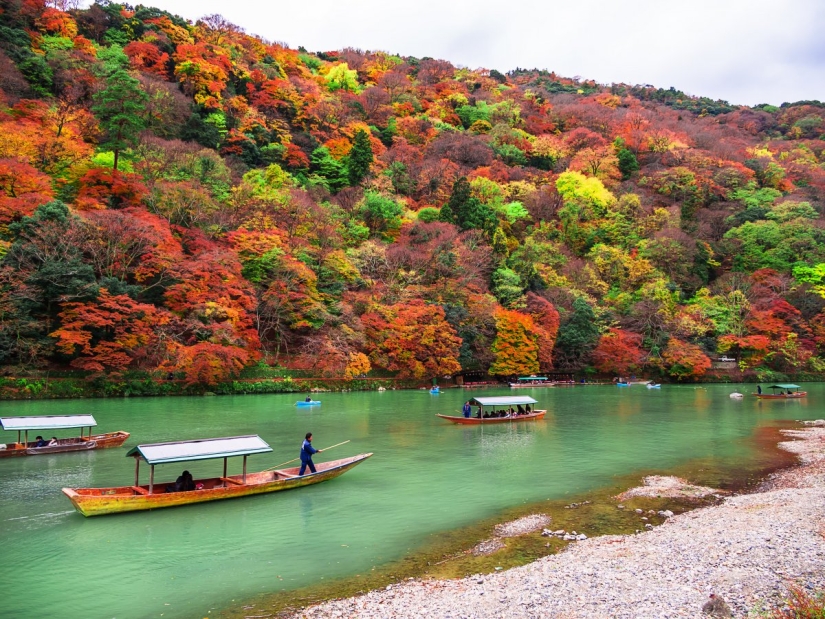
x=530 y=382
x=85 y=442
x=101 y=501
x=782 y=391
x=510 y=415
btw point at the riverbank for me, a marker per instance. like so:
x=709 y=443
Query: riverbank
x=746 y=550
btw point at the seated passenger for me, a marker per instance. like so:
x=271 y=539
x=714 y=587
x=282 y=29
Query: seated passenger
x=520 y=409
x=486 y=415
x=184 y=483
x=39 y=442
x=529 y=410
x=53 y=441
x=309 y=399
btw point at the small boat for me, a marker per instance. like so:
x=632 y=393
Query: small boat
x=530 y=382
x=435 y=391
x=57 y=422
x=787 y=391
x=511 y=416
x=653 y=386
x=100 y=501
x=736 y=396
x=310 y=403
x=622 y=384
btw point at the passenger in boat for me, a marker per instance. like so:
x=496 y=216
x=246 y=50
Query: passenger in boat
x=39 y=442
x=53 y=441
x=184 y=483
x=467 y=410
x=529 y=410
x=759 y=389
x=520 y=409
x=309 y=399
x=478 y=414
x=306 y=454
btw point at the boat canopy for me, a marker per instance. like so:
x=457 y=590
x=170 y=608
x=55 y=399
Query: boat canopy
x=202 y=449
x=532 y=378
x=784 y=386
x=504 y=400
x=50 y=422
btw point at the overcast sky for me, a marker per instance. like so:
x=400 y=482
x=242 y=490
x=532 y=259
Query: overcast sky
x=743 y=51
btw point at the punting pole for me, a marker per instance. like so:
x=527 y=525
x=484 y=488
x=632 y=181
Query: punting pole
x=151 y=478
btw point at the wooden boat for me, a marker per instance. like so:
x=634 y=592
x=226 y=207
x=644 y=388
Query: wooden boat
x=787 y=391
x=84 y=442
x=509 y=401
x=100 y=501
x=310 y=403
x=531 y=382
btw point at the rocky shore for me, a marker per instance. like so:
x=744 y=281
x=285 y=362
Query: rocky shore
x=746 y=551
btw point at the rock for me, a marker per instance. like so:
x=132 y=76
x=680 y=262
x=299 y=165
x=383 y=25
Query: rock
x=665 y=513
x=581 y=537
x=639 y=511
x=716 y=607
x=620 y=506
x=644 y=517
x=648 y=526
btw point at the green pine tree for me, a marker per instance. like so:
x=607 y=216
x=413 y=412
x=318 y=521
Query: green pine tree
x=360 y=158
x=120 y=107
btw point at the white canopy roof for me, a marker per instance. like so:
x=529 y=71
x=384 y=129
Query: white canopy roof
x=202 y=449
x=52 y=422
x=505 y=400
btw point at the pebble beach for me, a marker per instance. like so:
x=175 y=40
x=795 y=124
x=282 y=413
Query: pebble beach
x=746 y=550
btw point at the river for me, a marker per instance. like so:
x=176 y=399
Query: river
x=427 y=476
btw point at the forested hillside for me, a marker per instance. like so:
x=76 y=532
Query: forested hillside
x=188 y=199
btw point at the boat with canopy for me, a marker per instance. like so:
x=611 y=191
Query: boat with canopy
x=782 y=391
x=495 y=413
x=529 y=382
x=154 y=495
x=56 y=423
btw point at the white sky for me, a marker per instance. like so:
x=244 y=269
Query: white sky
x=743 y=51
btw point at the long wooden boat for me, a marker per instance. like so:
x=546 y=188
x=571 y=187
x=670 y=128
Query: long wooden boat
x=531 y=382
x=101 y=501
x=512 y=414
x=787 y=391
x=85 y=442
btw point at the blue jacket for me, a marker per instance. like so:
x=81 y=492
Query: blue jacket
x=466 y=410
x=306 y=451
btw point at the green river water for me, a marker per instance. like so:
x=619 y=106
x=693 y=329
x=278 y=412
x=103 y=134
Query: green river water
x=427 y=477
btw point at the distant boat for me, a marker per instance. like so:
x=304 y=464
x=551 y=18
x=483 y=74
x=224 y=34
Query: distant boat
x=736 y=396
x=100 y=501
x=787 y=391
x=57 y=422
x=435 y=391
x=512 y=414
x=529 y=382
x=622 y=385
x=653 y=386
x=310 y=403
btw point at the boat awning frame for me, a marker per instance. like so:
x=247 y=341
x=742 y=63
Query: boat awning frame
x=526 y=378
x=784 y=386
x=49 y=422
x=504 y=400
x=200 y=449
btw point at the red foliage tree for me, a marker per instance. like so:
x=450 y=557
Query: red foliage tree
x=103 y=188
x=22 y=189
x=618 y=352
x=546 y=321
x=685 y=360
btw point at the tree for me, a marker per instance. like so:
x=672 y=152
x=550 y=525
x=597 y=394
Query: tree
x=618 y=352
x=413 y=339
x=360 y=158
x=120 y=107
x=358 y=365
x=381 y=214
x=546 y=320
x=515 y=348
x=577 y=336
x=685 y=360
x=466 y=211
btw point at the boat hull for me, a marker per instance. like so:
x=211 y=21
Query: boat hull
x=304 y=403
x=102 y=501
x=96 y=441
x=531 y=386
x=784 y=396
x=475 y=421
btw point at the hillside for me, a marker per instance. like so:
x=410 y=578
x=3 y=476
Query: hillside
x=189 y=200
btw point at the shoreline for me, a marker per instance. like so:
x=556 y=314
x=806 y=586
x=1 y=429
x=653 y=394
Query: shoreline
x=747 y=549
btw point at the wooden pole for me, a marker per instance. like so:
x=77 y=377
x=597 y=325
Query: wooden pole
x=151 y=478
x=298 y=458
x=244 y=469
x=27 y=438
x=137 y=471
x=224 y=472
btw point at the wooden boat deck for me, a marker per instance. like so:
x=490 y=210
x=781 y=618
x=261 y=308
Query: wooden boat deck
x=474 y=421
x=96 y=441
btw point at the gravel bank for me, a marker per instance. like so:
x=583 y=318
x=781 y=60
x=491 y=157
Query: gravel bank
x=744 y=550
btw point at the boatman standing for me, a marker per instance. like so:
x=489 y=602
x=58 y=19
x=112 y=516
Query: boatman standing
x=306 y=454
x=467 y=410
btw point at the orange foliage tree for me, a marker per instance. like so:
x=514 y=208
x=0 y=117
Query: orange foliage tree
x=546 y=321
x=515 y=347
x=207 y=363
x=413 y=339
x=111 y=333
x=685 y=360
x=618 y=352
x=22 y=189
